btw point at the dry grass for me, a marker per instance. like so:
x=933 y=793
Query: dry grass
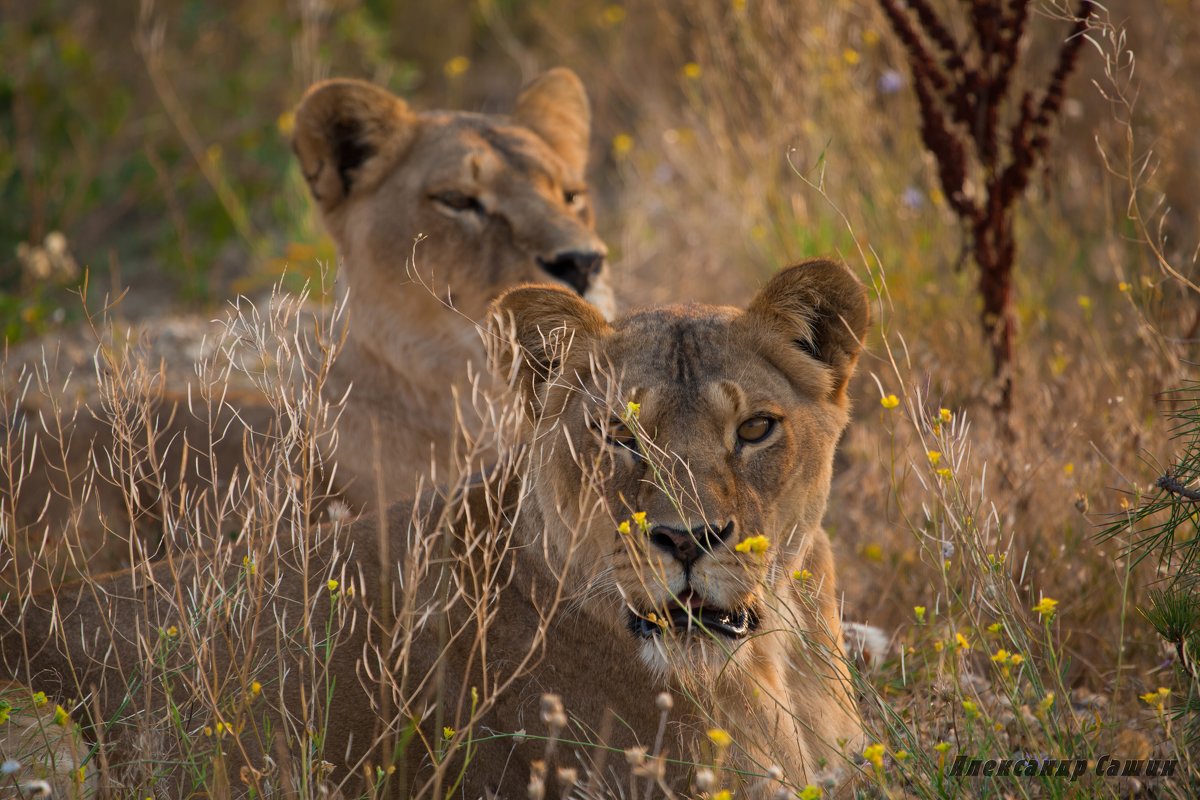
x=787 y=139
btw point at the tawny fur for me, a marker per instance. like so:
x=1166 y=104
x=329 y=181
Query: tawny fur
x=413 y=308
x=783 y=694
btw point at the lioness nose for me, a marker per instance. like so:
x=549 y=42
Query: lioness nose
x=576 y=268
x=688 y=546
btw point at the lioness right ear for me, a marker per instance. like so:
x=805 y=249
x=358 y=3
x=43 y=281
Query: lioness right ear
x=819 y=309
x=555 y=106
x=537 y=335
x=348 y=134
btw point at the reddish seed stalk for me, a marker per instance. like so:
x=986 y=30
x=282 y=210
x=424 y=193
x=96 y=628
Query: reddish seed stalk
x=962 y=94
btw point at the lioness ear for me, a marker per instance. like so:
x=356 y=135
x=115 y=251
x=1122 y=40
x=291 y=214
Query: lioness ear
x=537 y=335
x=821 y=309
x=348 y=134
x=555 y=107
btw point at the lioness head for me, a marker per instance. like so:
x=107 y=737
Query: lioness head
x=703 y=440
x=500 y=200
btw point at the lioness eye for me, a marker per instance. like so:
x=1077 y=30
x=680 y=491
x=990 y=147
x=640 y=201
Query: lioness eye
x=755 y=429
x=572 y=197
x=619 y=435
x=458 y=201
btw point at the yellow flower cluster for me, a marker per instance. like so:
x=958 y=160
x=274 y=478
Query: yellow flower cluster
x=638 y=519
x=1046 y=608
x=889 y=401
x=753 y=544
x=1157 y=699
x=720 y=737
x=874 y=754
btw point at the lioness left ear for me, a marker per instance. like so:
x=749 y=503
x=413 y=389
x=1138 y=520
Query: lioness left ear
x=820 y=308
x=538 y=335
x=555 y=107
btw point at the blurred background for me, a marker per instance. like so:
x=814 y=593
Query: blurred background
x=148 y=146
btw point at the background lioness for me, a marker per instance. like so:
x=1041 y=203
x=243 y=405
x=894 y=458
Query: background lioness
x=677 y=469
x=498 y=201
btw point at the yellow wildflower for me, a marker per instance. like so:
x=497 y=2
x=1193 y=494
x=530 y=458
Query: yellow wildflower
x=456 y=66
x=1068 y=468
x=934 y=457
x=448 y=732
x=1085 y=302
x=851 y=56
x=889 y=401
x=5 y=711
x=995 y=627
x=61 y=717
x=809 y=792
x=753 y=544
x=962 y=642
x=874 y=754
x=691 y=70
x=1046 y=607
x=639 y=518
x=256 y=688
x=942 y=747
x=1001 y=656
x=613 y=15
x=920 y=612
x=172 y=632
x=971 y=709
x=870 y=38
x=944 y=414
x=331 y=585
x=39 y=699
x=632 y=410
x=724 y=794
x=622 y=144
x=802 y=575
x=901 y=755
x=938 y=646
x=1046 y=702
x=1017 y=659
x=944 y=472
x=873 y=552
x=1123 y=286
x=720 y=737
x=248 y=564
x=286 y=123
x=624 y=528
x=1157 y=699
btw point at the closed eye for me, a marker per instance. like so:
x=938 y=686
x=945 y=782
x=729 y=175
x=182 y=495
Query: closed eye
x=458 y=202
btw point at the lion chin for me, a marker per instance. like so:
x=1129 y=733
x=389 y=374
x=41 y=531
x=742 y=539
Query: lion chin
x=692 y=631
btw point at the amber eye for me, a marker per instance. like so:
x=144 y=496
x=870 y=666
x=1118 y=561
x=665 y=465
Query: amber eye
x=458 y=201
x=755 y=429
x=573 y=197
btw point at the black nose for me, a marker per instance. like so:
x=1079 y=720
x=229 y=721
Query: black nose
x=576 y=268
x=688 y=546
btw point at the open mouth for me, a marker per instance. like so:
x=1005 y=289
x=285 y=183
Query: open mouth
x=689 y=614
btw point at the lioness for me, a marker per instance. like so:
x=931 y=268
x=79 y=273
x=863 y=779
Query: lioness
x=661 y=533
x=498 y=201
